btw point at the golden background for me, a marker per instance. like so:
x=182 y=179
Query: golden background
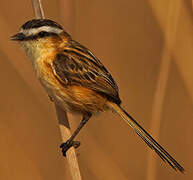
x=133 y=39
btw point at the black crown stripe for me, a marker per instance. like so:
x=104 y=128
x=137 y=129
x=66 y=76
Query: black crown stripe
x=36 y=23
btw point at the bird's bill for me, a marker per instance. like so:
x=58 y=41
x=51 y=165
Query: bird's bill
x=17 y=37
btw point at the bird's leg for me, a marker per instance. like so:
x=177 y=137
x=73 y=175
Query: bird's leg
x=69 y=143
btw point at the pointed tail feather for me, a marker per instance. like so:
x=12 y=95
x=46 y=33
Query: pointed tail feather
x=164 y=155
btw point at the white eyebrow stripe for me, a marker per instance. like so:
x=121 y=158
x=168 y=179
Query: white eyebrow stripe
x=33 y=31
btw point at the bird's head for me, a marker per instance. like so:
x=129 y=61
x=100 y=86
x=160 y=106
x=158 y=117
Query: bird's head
x=40 y=34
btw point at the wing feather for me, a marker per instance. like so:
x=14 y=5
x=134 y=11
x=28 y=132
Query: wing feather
x=76 y=65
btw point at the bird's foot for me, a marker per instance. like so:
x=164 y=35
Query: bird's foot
x=67 y=145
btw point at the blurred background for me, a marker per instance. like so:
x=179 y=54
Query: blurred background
x=147 y=46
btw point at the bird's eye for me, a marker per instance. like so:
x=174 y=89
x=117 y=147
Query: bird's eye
x=43 y=33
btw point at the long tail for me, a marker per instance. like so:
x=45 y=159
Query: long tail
x=165 y=156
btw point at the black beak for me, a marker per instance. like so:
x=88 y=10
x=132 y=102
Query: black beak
x=18 y=37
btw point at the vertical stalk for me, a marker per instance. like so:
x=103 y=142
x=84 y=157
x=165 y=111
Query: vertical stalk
x=61 y=114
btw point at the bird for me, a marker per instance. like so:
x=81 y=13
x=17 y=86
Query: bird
x=76 y=80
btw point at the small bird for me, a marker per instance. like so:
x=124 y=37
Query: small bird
x=76 y=80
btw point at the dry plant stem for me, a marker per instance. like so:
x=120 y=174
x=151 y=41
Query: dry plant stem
x=70 y=154
x=157 y=108
x=61 y=115
x=38 y=10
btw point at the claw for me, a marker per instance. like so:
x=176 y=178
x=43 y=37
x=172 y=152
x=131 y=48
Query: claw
x=67 y=145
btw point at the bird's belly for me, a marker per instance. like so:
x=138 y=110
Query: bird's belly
x=71 y=98
x=76 y=98
x=55 y=91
